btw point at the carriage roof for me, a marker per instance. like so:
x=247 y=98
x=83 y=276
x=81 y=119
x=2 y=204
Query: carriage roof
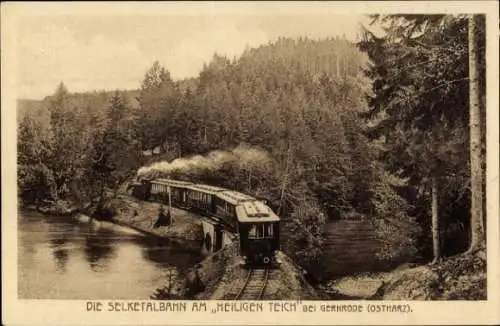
x=205 y=188
x=159 y=182
x=234 y=197
x=174 y=183
x=255 y=211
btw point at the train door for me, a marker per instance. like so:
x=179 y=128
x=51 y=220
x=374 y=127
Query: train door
x=218 y=238
x=213 y=205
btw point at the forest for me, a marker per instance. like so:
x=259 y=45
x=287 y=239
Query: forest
x=389 y=130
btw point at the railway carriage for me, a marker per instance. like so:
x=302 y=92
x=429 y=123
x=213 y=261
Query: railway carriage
x=202 y=198
x=256 y=224
x=159 y=190
x=178 y=195
x=225 y=206
x=258 y=228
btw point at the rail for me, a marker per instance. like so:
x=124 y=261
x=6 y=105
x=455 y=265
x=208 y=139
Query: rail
x=255 y=285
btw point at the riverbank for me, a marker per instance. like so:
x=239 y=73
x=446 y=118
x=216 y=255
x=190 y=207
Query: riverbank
x=142 y=216
x=57 y=207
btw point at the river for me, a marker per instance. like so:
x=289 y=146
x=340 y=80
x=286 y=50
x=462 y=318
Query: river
x=69 y=258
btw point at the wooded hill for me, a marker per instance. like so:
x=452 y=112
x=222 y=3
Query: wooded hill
x=373 y=135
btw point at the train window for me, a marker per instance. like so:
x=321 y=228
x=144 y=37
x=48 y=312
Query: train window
x=252 y=233
x=268 y=230
x=260 y=231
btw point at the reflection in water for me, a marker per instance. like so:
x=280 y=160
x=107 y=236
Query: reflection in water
x=160 y=252
x=99 y=249
x=62 y=258
x=60 y=253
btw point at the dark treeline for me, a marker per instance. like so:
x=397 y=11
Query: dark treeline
x=368 y=134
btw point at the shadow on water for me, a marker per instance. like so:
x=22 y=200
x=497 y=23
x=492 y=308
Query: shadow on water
x=99 y=249
x=65 y=233
x=163 y=253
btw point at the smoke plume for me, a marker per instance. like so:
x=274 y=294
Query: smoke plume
x=243 y=156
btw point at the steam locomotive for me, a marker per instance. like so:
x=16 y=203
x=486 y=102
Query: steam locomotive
x=256 y=224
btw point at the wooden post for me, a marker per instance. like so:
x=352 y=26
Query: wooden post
x=169 y=205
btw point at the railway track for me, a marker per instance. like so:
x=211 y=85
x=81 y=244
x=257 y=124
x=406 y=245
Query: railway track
x=255 y=284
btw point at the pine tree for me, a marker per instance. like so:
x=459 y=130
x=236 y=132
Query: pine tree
x=420 y=80
x=64 y=143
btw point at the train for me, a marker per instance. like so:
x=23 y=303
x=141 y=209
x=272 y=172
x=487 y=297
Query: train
x=255 y=223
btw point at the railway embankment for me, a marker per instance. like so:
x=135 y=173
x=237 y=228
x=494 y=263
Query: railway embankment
x=128 y=211
x=142 y=216
x=222 y=276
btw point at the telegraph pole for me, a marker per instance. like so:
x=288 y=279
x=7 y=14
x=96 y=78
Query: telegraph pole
x=169 y=213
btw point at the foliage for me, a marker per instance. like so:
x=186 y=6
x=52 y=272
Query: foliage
x=331 y=152
x=419 y=108
x=115 y=155
x=36 y=182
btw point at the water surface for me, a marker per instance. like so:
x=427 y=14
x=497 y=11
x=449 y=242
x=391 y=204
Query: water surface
x=66 y=258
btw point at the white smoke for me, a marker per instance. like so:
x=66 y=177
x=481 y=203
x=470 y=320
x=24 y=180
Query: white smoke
x=243 y=156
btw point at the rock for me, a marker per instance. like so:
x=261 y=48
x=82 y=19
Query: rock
x=59 y=207
x=481 y=255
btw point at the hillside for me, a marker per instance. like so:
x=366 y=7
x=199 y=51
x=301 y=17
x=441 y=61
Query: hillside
x=95 y=102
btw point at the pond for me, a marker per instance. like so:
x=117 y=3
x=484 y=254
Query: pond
x=70 y=258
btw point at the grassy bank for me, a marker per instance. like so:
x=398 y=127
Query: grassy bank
x=461 y=277
x=142 y=216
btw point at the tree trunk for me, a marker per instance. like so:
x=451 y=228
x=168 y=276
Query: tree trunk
x=285 y=180
x=477 y=225
x=436 y=243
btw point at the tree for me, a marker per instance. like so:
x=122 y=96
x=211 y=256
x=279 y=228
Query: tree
x=32 y=142
x=114 y=157
x=476 y=91
x=65 y=142
x=158 y=101
x=419 y=72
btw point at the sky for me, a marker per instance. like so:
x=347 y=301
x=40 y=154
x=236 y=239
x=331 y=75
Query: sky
x=96 y=52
